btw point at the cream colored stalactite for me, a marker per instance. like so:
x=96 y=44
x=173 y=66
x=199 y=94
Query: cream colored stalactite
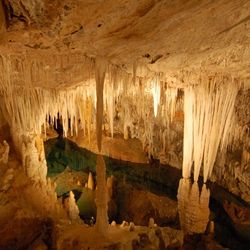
x=89 y=110
x=208 y=111
x=222 y=102
x=170 y=102
x=109 y=97
x=29 y=108
x=200 y=127
x=101 y=66
x=188 y=132
x=156 y=92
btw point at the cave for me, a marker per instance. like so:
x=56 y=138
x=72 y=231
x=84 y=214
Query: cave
x=124 y=124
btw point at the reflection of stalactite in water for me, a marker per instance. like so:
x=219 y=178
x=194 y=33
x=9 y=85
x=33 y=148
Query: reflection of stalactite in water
x=101 y=196
x=193 y=207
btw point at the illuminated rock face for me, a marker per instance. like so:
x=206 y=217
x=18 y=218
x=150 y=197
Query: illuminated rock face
x=168 y=73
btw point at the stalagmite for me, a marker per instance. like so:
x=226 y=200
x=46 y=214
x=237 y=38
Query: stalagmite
x=90 y=183
x=193 y=207
x=71 y=207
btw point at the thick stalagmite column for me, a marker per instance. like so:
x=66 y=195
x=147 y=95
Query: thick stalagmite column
x=101 y=192
x=193 y=207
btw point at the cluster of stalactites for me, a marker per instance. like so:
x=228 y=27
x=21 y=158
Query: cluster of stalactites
x=27 y=106
x=145 y=104
x=208 y=109
x=29 y=109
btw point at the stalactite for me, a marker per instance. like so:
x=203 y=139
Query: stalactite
x=208 y=109
x=101 y=66
x=156 y=91
x=109 y=99
x=188 y=133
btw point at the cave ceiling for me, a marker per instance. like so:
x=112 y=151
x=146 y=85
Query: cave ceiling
x=163 y=35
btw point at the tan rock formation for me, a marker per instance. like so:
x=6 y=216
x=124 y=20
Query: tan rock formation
x=193 y=207
x=91 y=184
x=122 y=68
x=71 y=207
x=4 y=152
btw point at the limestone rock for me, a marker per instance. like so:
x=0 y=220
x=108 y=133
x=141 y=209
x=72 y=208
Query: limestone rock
x=240 y=218
x=4 y=152
x=193 y=207
x=139 y=206
x=71 y=207
x=90 y=184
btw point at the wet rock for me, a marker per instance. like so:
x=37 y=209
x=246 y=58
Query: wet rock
x=139 y=206
x=240 y=218
x=23 y=232
x=38 y=245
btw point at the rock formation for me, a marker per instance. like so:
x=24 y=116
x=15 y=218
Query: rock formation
x=4 y=152
x=90 y=183
x=193 y=207
x=172 y=74
x=71 y=207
